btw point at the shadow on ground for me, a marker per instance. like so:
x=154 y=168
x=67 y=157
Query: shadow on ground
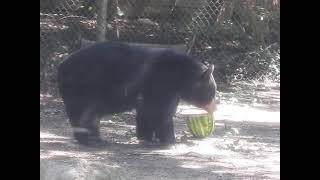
x=244 y=145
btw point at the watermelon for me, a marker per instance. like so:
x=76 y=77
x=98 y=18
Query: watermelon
x=200 y=124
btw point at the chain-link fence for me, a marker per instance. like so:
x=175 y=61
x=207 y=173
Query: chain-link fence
x=223 y=32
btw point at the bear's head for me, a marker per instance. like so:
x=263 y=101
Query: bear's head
x=202 y=91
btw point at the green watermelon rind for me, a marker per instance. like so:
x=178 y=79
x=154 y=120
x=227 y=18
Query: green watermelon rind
x=195 y=123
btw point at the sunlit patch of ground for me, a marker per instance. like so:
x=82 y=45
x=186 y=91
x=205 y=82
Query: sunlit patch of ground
x=244 y=145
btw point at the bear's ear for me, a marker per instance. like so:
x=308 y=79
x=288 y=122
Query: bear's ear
x=208 y=72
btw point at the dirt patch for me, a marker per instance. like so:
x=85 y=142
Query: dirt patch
x=244 y=145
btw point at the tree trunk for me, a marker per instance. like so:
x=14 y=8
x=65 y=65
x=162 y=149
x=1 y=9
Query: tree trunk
x=102 y=20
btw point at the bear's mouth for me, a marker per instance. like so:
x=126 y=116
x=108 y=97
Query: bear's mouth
x=211 y=107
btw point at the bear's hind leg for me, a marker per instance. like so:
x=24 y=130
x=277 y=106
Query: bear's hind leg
x=85 y=122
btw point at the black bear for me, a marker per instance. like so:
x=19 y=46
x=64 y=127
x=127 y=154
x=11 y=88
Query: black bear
x=113 y=77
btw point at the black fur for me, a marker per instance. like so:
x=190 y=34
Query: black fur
x=109 y=77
